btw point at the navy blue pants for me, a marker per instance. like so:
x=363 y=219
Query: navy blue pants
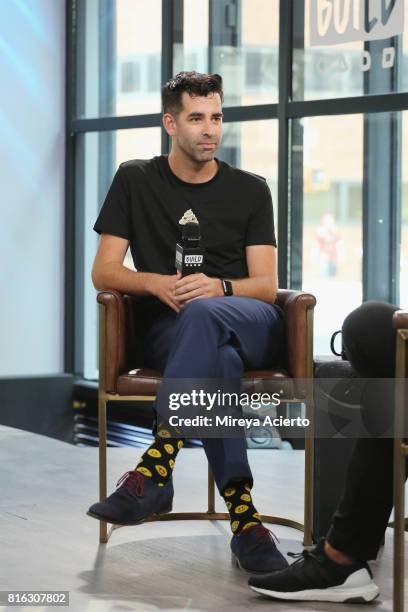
x=217 y=338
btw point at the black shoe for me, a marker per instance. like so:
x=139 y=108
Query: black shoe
x=315 y=577
x=136 y=500
x=254 y=550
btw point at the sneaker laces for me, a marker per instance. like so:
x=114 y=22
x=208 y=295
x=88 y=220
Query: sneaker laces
x=261 y=532
x=305 y=555
x=134 y=481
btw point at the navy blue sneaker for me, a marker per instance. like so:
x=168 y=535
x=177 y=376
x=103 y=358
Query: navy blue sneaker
x=135 y=501
x=315 y=577
x=254 y=550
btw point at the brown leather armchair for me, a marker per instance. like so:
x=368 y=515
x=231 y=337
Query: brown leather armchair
x=400 y=321
x=123 y=377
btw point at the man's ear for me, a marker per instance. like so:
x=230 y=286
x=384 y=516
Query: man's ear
x=169 y=124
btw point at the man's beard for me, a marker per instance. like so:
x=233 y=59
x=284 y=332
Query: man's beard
x=199 y=156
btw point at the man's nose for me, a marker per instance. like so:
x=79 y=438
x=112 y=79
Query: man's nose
x=208 y=128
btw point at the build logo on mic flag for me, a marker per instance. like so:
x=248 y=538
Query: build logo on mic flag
x=194 y=260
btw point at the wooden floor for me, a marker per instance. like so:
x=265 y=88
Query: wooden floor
x=48 y=542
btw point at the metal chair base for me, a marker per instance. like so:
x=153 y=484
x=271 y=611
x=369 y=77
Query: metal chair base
x=210 y=514
x=200 y=516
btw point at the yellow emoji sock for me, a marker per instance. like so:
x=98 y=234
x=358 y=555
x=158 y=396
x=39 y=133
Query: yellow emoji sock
x=157 y=462
x=242 y=511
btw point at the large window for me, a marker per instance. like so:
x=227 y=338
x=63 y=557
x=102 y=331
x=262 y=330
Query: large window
x=118 y=57
x=403 y=284
x=236 y=39
x=349 y=48
x=314 y=102
x=332 y=219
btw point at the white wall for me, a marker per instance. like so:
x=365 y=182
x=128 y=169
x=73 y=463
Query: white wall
x=32 y=85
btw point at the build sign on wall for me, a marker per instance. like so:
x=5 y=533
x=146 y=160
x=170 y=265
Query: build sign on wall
x=340 y=21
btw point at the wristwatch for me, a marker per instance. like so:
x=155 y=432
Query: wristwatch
x=226 y=287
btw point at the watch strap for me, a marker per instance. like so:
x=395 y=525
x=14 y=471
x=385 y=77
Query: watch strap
x=226 y=286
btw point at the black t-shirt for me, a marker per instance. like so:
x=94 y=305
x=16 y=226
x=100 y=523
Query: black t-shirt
x=147 y=200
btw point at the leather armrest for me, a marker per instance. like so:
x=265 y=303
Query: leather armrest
x=296 y=305
x=400 y=319
x=112 y=338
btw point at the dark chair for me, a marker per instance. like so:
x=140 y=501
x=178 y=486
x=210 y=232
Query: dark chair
x=123 y=377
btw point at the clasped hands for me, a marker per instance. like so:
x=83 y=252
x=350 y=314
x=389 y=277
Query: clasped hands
x=176 y=291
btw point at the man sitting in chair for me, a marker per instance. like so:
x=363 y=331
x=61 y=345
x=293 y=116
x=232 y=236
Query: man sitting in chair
x=201 y=327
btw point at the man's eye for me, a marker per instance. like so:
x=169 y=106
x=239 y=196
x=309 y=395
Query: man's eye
x=195 y=119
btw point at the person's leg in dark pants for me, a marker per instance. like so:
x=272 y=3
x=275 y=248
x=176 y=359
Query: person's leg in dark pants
x=363 y=513
x=337 y=570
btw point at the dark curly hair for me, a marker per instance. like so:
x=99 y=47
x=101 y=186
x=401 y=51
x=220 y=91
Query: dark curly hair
x=194 y=83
